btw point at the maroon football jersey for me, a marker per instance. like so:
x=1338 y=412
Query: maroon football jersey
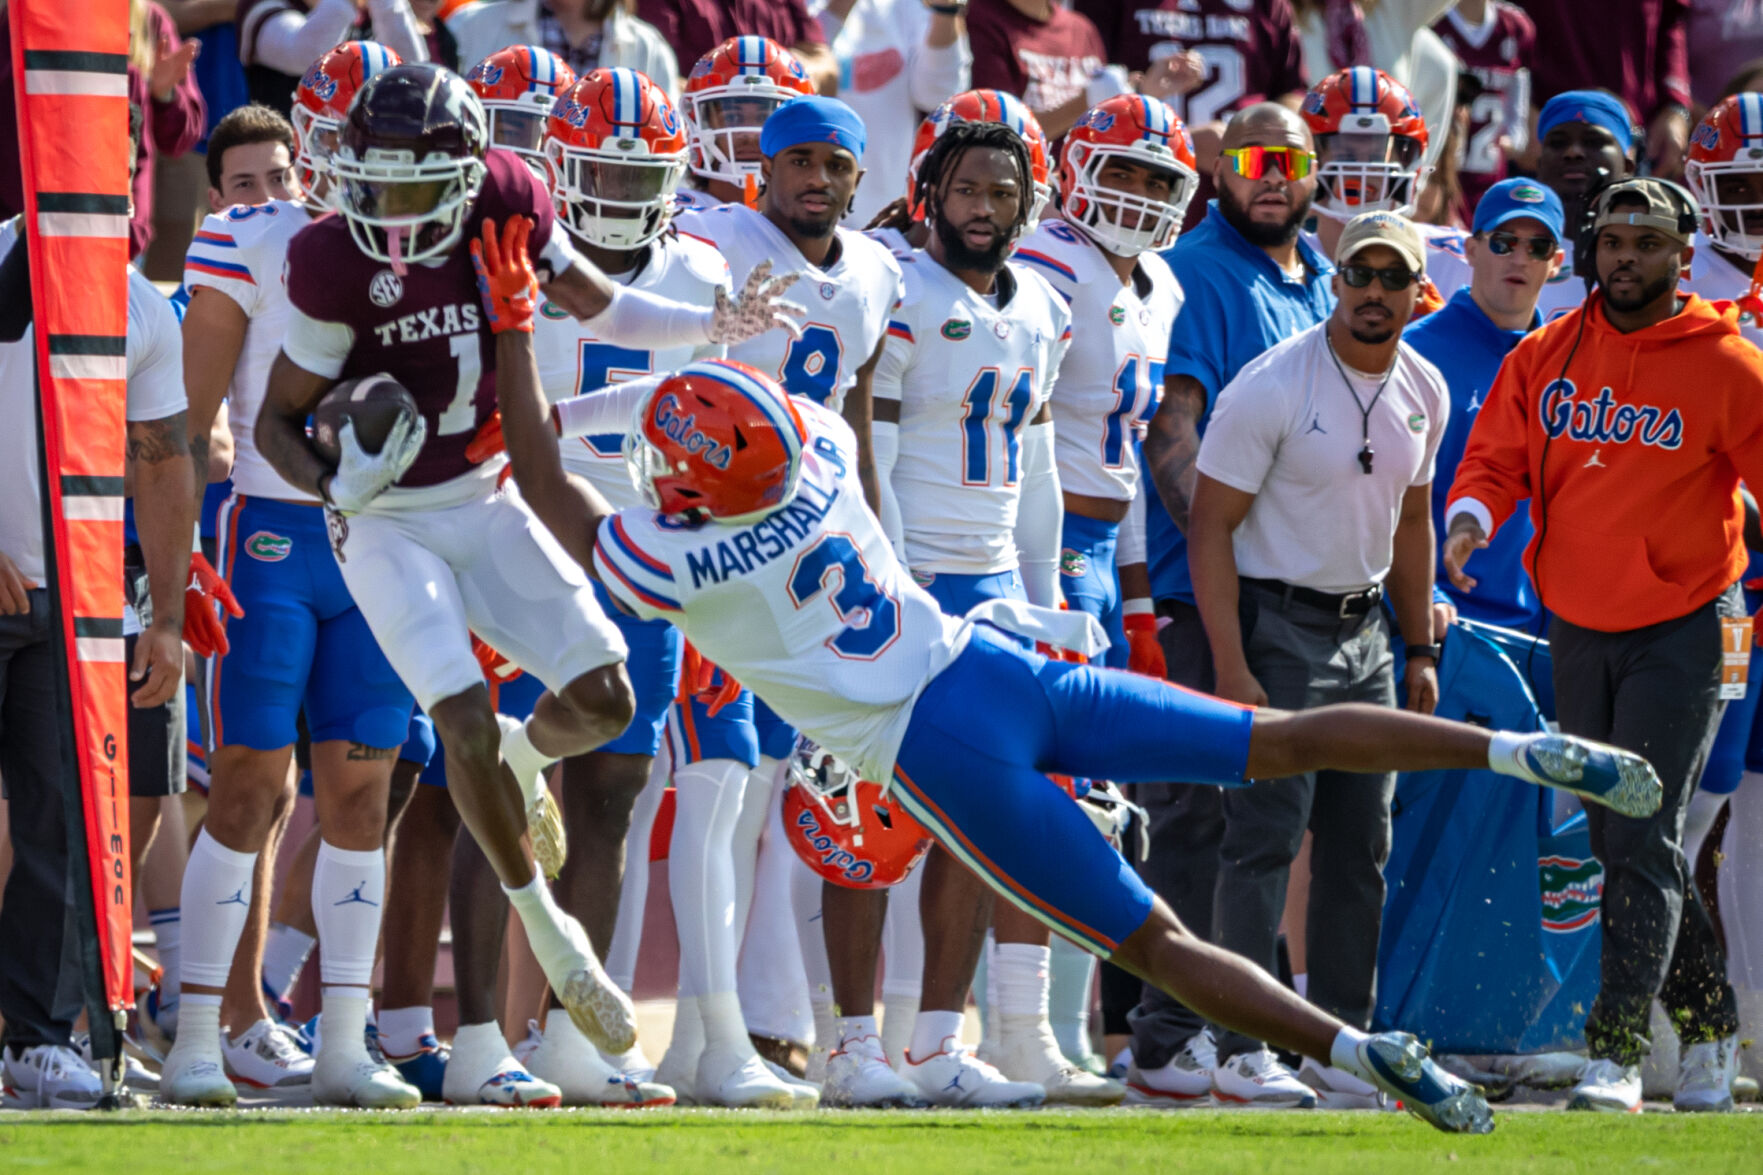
x=1250 y=47
x=1499 y=54
x=426 y=328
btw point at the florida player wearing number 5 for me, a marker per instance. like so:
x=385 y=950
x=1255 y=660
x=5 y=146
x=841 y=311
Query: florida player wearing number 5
x=426 y=543
x=755 y=541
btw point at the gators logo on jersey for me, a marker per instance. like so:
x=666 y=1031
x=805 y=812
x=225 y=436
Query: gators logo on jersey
x=268 y=548
x=1116 y=314
x=957 y=329
x=1572 y=890
x=1416 y=422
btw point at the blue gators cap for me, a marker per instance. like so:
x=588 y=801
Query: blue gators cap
x=812 y=119
x=1520 y=197
x=1595 y=106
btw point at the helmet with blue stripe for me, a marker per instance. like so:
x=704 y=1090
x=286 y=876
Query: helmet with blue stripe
x=1370 y=141
x=985 y=106
x=716 y=440
x=1144 y=134
x=1725 y=173
x=729 y=94
x=518 y=86
x=321 y=102
x=615 y=151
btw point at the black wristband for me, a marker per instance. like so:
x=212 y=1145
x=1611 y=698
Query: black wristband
x=1423 y=651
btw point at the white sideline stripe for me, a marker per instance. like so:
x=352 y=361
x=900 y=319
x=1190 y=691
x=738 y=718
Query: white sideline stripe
x=76 y=82
x=83 y=224
x=89 y=366
x=78 y=508
x=99 y=648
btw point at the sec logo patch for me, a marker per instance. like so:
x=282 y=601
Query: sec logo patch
x=268 y=548
x=385 y=289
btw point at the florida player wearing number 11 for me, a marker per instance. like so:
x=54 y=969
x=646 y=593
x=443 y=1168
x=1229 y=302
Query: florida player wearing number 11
x=757 y=544
x=426 y=543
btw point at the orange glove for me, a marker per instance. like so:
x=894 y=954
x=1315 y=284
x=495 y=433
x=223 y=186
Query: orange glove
x=698 y=679
x=1144 y=655
x=505 y=276
x=489 y=441
x=204 y=631
x=496 y=667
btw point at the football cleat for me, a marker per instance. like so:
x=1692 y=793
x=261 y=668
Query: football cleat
x=857 y=1075
x=563 y=1057
x=48 y=1077
x=1705 y=1074
x=196 y=1076
x=725 y=1080
x=1609 y=1088
x=426 y=1068
x=953 y=1077
x=1399 y=1066
x=355 y=1079
x=1028 y=1051
x=266 y=1056
x=1184 y=1082
x=805 y=1092
x=544 y=820
x=1258 y=1079
x=1620 y=780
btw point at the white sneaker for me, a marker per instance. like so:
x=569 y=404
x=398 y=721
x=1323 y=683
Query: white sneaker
x=1339 y=1090
x=858 y=1075
x=564 y=1058
x=1608 y=1087
x=195 y=1075
x=1258 y=1079
x=135 y=1075
x=349 y=1077
x=1028 y=1051
x=48 y=1077
x=481 y=1073
x=806 y=1093
x=725 y=1079
x=1184 y=1082
x=544 y=822
x=266 y=1057
x=953 y=1076
x=1704 y=1077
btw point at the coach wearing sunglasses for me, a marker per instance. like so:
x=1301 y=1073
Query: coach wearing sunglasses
x=1314 y=498
x=1514 y=250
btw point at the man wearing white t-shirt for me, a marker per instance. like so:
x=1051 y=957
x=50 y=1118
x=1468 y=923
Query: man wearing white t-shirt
x=1314 y=502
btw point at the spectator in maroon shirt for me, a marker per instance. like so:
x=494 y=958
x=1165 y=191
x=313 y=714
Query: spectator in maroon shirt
x=695 y=27
x=1639 y=49
x=1044 y=53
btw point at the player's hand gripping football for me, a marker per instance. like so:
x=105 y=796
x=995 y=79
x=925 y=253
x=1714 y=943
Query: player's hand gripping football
x=759 y=307
x=505 y=275
x=204 y=631
x=362 y=476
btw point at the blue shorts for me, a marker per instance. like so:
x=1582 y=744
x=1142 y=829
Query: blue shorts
x=300 y=643
x=957 y=595
x=653 y=665
x=693 y=736
x=986 y=731
x=419 y=745
x=777 y=738
x=1089 y=581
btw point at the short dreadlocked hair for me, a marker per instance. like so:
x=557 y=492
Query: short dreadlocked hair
x=938 y=166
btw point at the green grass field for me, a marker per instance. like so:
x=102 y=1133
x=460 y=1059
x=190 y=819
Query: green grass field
x=1110 y=1142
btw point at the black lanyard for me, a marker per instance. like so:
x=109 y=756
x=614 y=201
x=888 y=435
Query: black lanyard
x=1365 y=453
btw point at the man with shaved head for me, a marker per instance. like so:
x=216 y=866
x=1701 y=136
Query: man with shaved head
x=1250 y=283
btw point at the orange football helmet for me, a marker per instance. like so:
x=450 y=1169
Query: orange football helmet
x=844 y=828
x=1724 y=172
x=729 y=94
x=518 y=86
x=1370 y=141
x=614 y=152
x=1129 y=128
x=321 y=102
x=985 y=106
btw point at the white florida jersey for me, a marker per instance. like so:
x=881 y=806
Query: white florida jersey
x=1111 y=378
x=573 y=362
x=693 y=200
x=969 y=377
x=808 y=606
x=847 y=305
x=891 y=239
x=1716 y=278
x=242 y=253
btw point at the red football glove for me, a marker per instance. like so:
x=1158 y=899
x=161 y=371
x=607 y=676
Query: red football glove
x=1145 y=654
x=204 y=630
x=489 y=440
x=505 y=276
x=698 y=680
x=496 y=667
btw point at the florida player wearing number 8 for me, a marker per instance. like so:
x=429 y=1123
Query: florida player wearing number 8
x=442 y=548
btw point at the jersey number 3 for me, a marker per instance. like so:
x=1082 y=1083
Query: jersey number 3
x=871 y=616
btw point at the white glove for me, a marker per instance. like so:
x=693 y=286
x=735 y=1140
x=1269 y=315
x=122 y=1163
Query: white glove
x=361 y=477
x=757 y=309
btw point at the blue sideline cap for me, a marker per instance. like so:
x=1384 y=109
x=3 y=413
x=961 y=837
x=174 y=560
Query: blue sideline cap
x=812 y=119
x=1594 y=106
x=1516 y=198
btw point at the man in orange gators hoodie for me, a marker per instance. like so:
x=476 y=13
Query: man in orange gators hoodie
x=1628 y=424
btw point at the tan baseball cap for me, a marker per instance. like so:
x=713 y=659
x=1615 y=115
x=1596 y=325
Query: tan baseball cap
x=1663 y=206
x=1382 y=228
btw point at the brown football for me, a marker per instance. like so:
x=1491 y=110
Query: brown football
x=373 y=402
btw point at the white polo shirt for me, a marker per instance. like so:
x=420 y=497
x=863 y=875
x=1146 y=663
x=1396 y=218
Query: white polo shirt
x=1287 y=430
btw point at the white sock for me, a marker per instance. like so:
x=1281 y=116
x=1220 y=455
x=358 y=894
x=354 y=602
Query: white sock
x=770 y=973
x=345 y=1023
x=701 y=873
x=1068 y=999
x=1023 y=975
x=348 y=892
x=744 y=843
x=851 y=1028
x=1343 y=1054
x=168 y=933
x=483 y=1048
x=1505 y=755
x=285 y=951
x=558 y=940
x=903 y=940
x=899 y=1012
x=931 y=1029
x=679 y=1065
x=724 y=1030
x=198 y=1024
x=826 y=1030
x=526 y=761
x=402 y=1029
x=633 y=895
x=217 y=894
